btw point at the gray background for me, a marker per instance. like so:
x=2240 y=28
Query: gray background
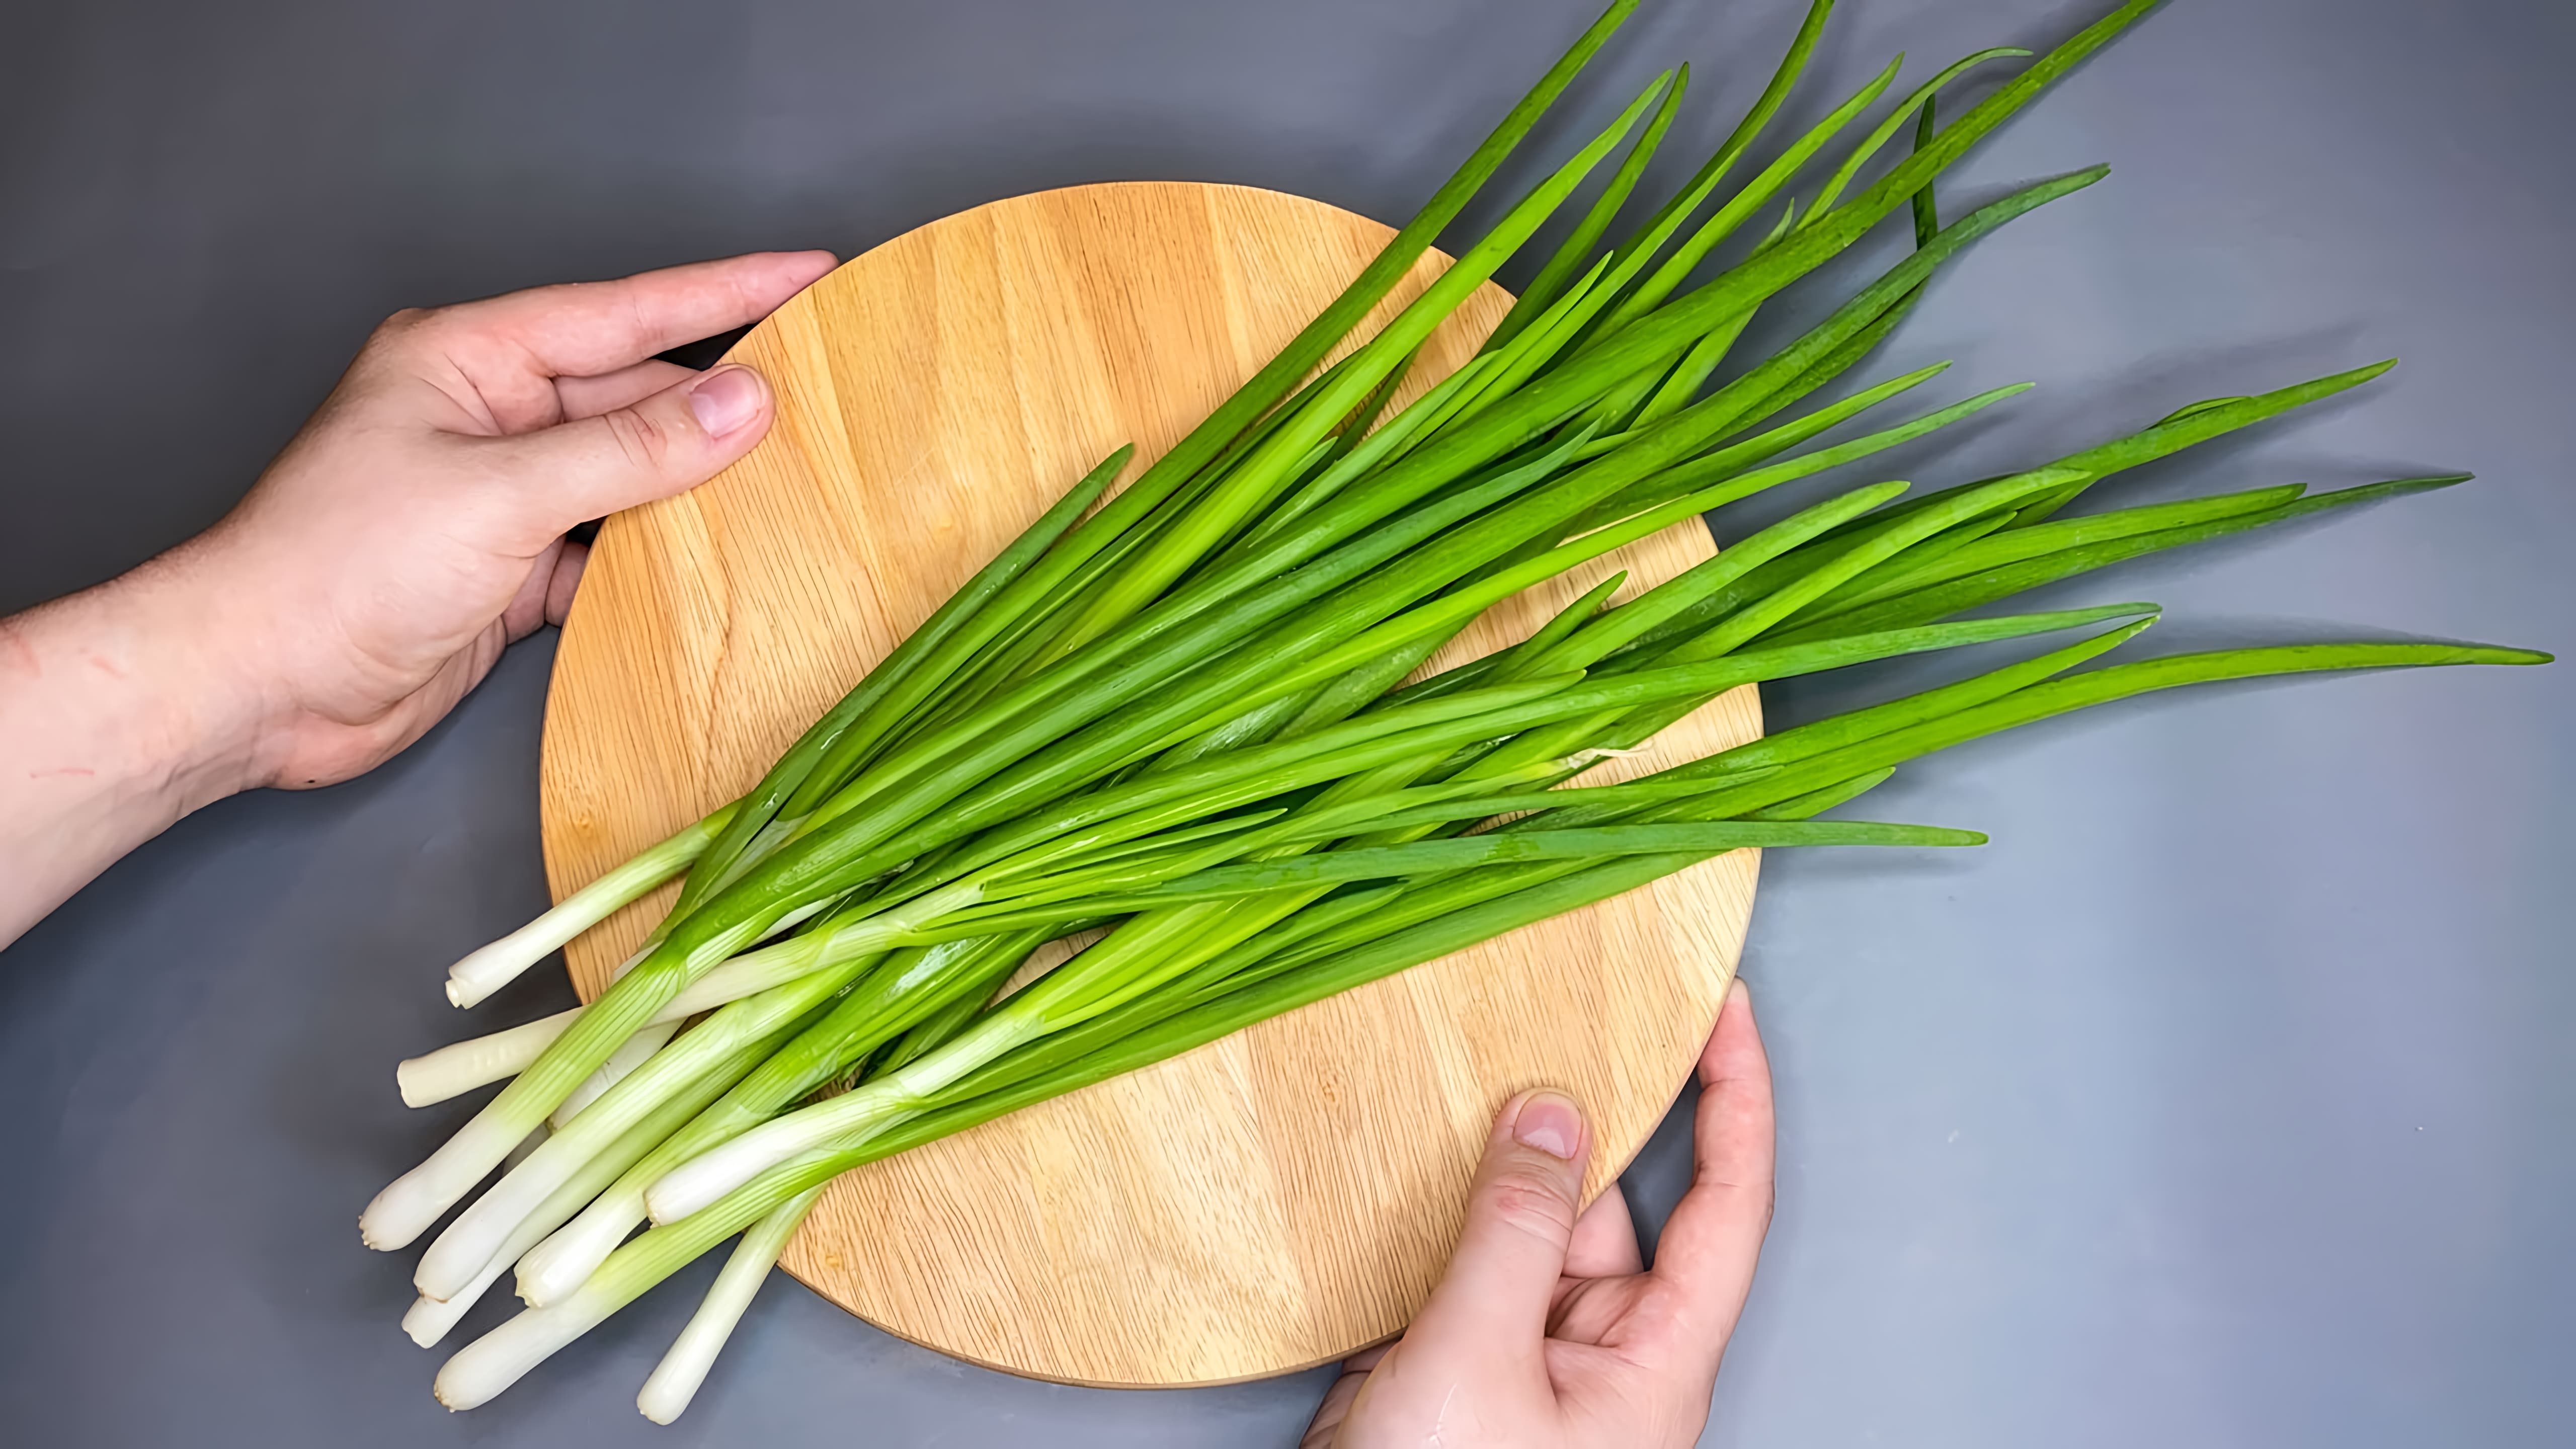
x=2222 y=1100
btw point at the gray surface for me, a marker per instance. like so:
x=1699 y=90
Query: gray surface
x=2223 y=1100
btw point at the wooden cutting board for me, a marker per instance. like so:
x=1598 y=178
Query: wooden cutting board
x=1262 y=1204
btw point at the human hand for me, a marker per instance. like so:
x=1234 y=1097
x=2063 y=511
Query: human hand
x=373 y=575
x=416 y=525
x=1546 y=1330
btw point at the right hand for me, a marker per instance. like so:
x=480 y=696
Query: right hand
x=1547 y=1332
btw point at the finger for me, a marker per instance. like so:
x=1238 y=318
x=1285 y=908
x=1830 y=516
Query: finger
x=1325 y=1429
x=567 y=577
x=1714 y=1236
x=585 y=329
x=527 y=608
x=1605 y=1240
x=1520 y=1220
x=671 y=441
x=545 y=596
x=588 y=397
x=1367 y=1358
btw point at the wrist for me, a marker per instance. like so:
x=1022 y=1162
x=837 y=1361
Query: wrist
x=119 y=714
x=188 y=723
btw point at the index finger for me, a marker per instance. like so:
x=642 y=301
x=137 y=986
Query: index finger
x=583 y=329
x=1714 y=1236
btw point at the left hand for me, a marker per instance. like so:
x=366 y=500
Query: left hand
x=373 y=575
x=416 y=525
x=1548 y=1332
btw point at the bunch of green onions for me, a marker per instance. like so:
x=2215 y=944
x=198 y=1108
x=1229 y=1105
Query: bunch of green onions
x=1179 y=719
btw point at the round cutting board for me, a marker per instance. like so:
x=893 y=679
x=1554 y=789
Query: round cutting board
x=1264 y=1203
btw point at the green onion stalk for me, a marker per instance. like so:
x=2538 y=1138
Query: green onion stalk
x=1188 y=722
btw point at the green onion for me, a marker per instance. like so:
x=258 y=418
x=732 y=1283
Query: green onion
x=494 y=966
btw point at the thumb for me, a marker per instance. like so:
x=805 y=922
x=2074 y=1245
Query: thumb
x=1520 y=1216
x=665 y=444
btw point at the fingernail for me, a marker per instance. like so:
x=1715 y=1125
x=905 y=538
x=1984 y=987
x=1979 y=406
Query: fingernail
x=1736 y=990
x=726 y=399
x=1550 y=1122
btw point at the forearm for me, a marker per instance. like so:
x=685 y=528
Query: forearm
x=115 y=721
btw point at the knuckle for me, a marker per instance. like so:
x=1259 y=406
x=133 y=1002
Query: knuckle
x=400 y=326
x=1533 y=1204
x=406 y=337
x=643 y=443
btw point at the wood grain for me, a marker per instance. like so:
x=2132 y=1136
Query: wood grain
x=1266 y=1202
